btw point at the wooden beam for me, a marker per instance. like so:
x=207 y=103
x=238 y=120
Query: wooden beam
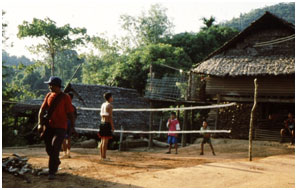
x=150 y=144
x=260 y=99
x=252 y=120
x=217 y=111
x=184 y=136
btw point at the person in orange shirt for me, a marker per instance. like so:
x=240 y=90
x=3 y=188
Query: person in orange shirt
x=56 y=129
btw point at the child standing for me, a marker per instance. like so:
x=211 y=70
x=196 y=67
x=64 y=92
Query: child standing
x=172 y=125
x=206 y=138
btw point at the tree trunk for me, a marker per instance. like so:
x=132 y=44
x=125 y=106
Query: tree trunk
x=53 y=65
x=252 y=120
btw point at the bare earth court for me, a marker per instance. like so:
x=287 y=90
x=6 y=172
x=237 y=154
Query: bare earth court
x=273 y=166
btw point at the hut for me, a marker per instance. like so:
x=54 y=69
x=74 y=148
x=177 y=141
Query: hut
x=91 y=96
x=264 y=50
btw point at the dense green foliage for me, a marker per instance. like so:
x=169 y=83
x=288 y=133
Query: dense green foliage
x=148 y=28
x=14 y=60
x=55 y=39
x=152 y=43
x=198 y=45
x=285 y=11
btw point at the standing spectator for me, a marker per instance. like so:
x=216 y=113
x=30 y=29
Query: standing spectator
x=106 y=126
x=172 y=125
x=206 y=138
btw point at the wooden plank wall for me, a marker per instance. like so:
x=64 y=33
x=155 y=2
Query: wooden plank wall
x=279 y=86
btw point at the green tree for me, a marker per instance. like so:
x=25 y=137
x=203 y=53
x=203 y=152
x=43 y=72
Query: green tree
x=55 y=39
x=98 y=69
x=208 y=22
x=133 y=71
x=4 y=25
x=147 y=28
x=67 y=63
x=199 y=45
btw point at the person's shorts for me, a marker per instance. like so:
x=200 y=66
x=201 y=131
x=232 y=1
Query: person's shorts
x=172 y=140
x=206 y=140
x=105 y=130
x=287 y=132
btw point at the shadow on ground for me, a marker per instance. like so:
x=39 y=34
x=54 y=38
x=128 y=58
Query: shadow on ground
x=63 y=180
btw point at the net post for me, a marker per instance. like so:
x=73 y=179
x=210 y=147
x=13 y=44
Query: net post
x=150 y=144
x=121 y=139
x=252 y=120
x=217 y=111
x=184 y=135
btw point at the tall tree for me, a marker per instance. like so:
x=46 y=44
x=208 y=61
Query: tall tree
x=208 y=22
x=133 y=71
x=55 y=39
x=4 y=25
x=67 y=62
x=149 y=27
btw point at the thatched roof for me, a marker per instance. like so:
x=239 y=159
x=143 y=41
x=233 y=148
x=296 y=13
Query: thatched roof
x=92 y=96
x=247 y=65
x=240 y=56
x=28 y=105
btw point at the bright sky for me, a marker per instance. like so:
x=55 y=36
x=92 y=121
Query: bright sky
x=102 y=16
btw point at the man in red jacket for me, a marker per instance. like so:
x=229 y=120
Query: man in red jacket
x=55 y=132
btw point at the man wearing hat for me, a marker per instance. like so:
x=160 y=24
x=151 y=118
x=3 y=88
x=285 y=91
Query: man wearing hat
x=62 y=111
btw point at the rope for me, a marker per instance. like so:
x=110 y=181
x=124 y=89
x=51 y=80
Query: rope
x=277 y=41
x=158 y=132
x=163 y=109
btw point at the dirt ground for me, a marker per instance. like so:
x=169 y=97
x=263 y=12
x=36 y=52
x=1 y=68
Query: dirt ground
x=273 y=165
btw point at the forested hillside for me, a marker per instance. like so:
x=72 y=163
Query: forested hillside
x=285 y=11
x=13 y=60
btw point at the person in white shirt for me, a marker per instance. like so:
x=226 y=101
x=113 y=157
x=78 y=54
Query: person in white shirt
x=106 y=126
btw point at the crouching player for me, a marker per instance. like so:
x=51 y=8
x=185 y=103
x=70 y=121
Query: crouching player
x=172 y=125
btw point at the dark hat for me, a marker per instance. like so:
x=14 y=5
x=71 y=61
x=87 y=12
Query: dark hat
x=56 y=81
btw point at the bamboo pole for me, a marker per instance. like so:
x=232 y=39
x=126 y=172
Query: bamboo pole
x=150 y=144
x=252 y=120
x=185 y=122
x=121 y=139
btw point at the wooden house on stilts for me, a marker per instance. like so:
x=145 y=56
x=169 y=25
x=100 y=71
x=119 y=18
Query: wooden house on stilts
x=264 y=50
